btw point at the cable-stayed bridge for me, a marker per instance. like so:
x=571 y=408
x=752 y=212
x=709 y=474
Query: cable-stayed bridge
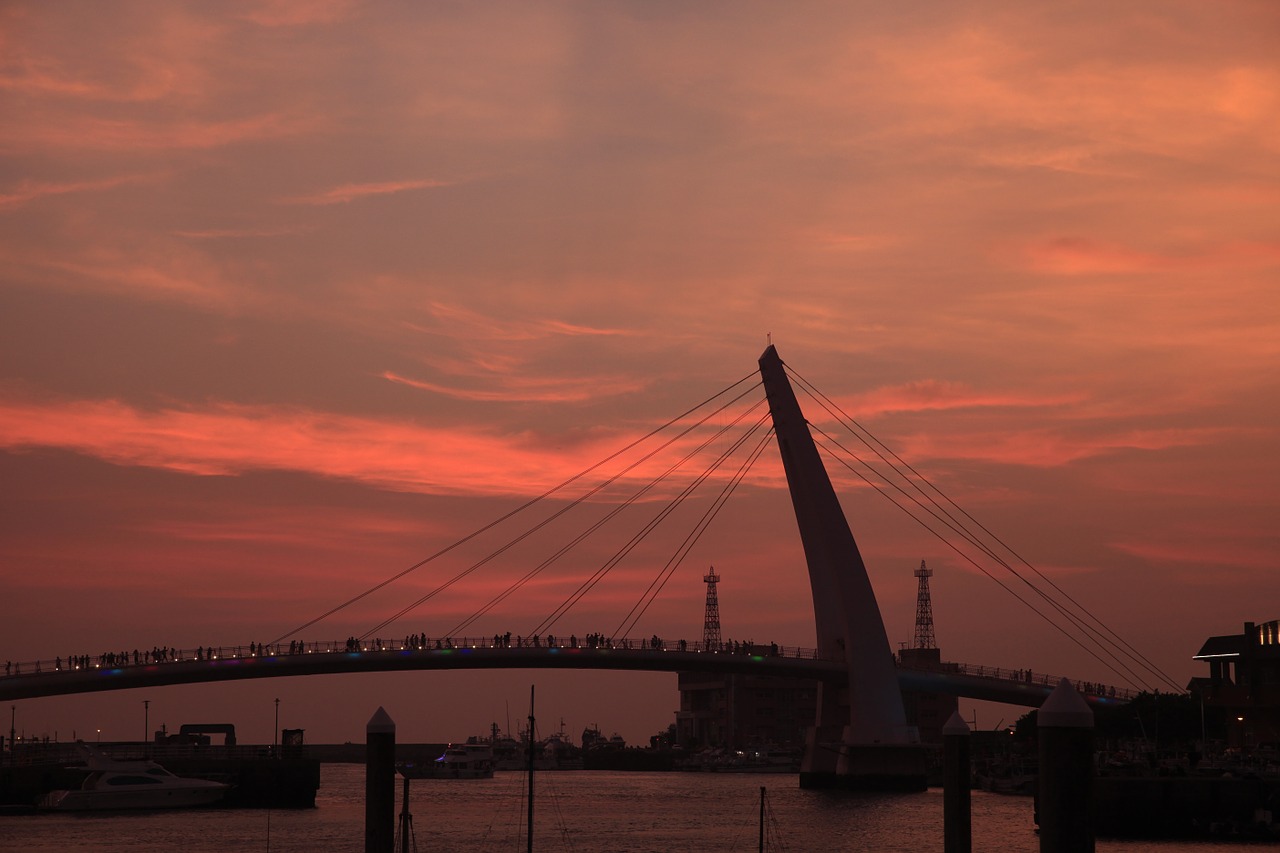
x=860 y=736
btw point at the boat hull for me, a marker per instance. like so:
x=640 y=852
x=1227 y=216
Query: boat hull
x=168 y=798
x=410 y=771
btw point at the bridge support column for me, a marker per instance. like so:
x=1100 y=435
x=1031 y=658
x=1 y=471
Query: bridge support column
x=860 y=739
x=824 y=742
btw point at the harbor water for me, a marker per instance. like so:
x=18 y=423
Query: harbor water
x=583 y=811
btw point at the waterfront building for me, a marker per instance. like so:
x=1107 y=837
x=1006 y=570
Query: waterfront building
x=1244 y=681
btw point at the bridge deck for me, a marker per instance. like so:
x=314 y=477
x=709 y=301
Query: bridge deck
x=121 y=672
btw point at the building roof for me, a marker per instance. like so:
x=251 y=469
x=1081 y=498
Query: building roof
x=1220 y=647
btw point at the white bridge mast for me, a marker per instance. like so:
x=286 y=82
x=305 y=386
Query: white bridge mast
x=861 y=739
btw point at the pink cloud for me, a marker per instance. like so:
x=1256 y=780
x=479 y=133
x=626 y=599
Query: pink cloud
x=178 y=273
x=1208 y=553
x=28 y=191
x=933 y=395
x=80 y=132
x=237 y=233
x=305 y=527
x=286 y=13
x=1050 y=447
x=349 y=192
x=514 y=389
x=468 y=324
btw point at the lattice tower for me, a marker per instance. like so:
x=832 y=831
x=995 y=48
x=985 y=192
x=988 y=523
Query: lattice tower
x=924 y=611
x=711 y=624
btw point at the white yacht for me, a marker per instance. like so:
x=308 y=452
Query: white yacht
x=114 y=784
x=471 y=760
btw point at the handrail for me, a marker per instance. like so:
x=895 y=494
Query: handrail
x=162 y=656
x=1022 y=676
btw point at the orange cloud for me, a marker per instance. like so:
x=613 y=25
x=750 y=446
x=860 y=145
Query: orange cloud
x=230 y=439
x=1078 y=256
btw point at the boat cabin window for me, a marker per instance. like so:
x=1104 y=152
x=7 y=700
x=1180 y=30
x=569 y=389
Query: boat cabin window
x=132 y=780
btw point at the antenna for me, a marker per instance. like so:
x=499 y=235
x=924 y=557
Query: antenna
x=711 y=623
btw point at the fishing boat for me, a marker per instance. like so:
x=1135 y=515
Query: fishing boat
x=461 y=761
x=138 y=784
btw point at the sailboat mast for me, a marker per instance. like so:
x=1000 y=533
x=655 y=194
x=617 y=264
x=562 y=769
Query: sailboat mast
x=530 y=845
x=762 y=819
x=406 y=820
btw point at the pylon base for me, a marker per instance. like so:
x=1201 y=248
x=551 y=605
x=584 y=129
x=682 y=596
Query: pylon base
x=874 y=767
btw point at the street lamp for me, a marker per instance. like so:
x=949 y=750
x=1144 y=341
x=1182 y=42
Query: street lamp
x=99 y=735
x=146 y=720
x=275 y=735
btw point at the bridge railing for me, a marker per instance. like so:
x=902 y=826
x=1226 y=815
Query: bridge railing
x=1023 y=676
x=157 y=656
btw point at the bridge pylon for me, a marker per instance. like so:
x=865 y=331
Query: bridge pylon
x=860 y=738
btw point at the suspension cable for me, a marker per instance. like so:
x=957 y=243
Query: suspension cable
x=630 y=501
x=508 y=515
x=857 y=429
x=1131 y=675
x=636 y=539
x=692 y=539
x=555 y=515
x=958 y=526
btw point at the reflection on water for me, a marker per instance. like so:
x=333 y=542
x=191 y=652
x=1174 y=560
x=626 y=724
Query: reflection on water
x=583 y=811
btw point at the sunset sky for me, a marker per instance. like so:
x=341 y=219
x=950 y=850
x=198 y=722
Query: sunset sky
x=296 y=294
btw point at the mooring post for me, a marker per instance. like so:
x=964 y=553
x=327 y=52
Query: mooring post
x=957 y=814
x=1065 y=733
x=380 y=784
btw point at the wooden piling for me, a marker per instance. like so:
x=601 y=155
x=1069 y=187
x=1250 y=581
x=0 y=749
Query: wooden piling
x=1065 y=794
x=380 y=784
x=957 y=813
